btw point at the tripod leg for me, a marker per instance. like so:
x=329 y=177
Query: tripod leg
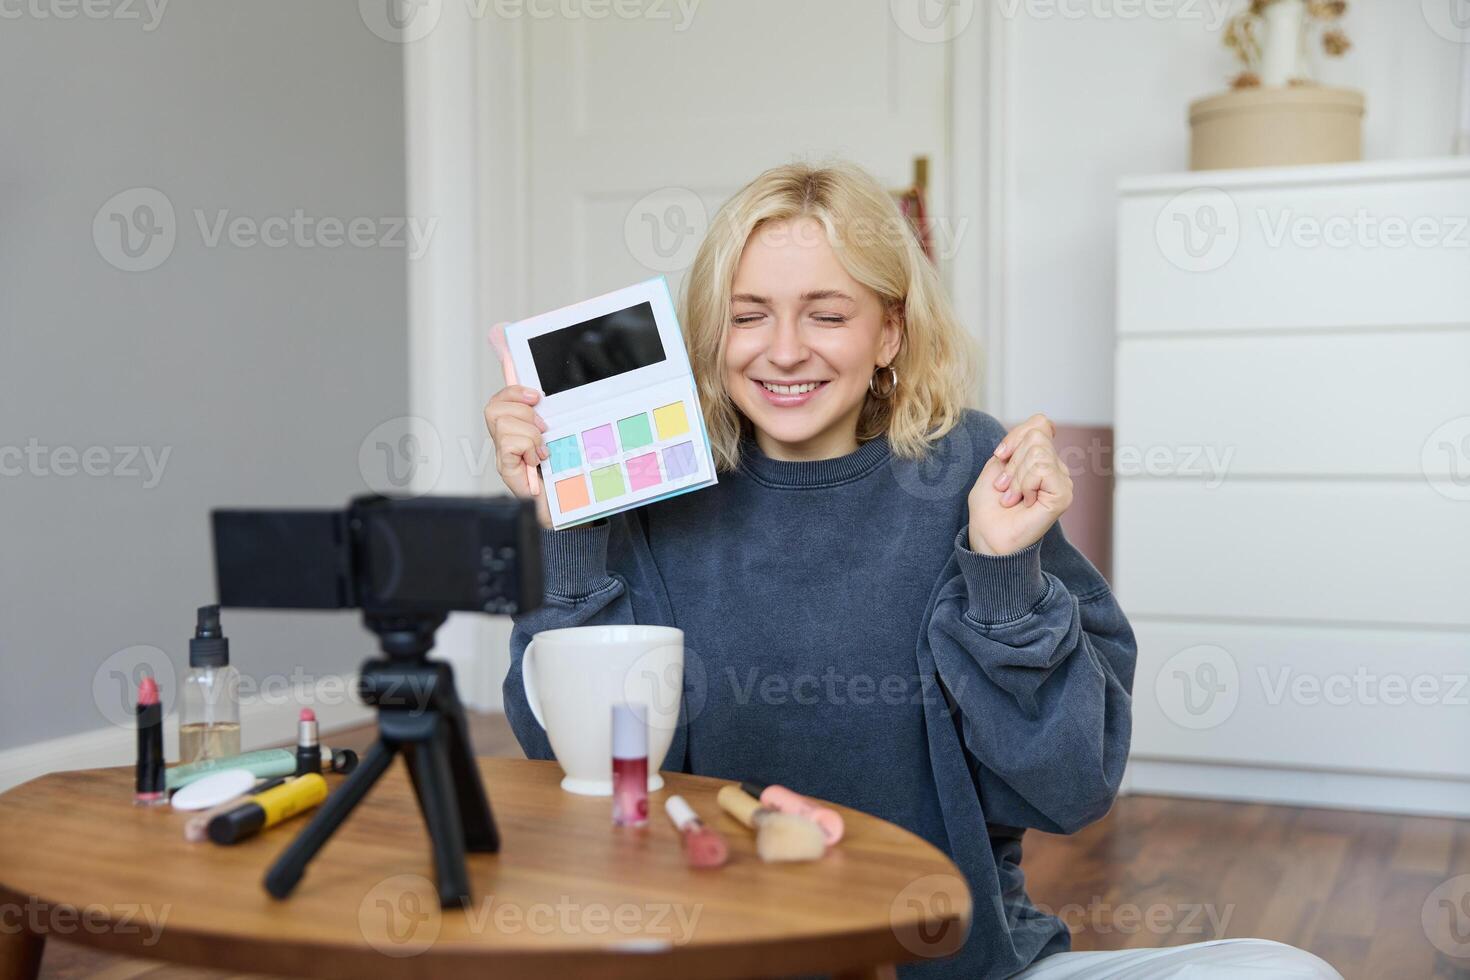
x=474 y=806
x=436 y=797
x=291 y=865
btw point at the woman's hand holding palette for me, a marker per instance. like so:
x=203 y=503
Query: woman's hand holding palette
x=624 y=426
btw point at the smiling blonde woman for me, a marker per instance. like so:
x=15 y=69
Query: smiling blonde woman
x=878 y=603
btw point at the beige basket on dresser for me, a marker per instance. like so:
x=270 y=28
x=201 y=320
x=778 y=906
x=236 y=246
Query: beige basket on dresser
x=1266 y=127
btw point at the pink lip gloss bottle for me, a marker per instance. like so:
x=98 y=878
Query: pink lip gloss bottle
x=629 y=767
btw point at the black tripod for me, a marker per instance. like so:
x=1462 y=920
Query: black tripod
x=419 y=714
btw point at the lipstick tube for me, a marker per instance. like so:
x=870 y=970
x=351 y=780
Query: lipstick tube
x=308 y=744
x=149 y=786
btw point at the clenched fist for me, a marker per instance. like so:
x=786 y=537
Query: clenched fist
x=1021 y=492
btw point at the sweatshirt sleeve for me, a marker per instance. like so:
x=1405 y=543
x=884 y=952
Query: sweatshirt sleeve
x=1037 y=660
x=595 y=574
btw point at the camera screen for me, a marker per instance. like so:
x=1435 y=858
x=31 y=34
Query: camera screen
x=420 y=556
x=597 y=349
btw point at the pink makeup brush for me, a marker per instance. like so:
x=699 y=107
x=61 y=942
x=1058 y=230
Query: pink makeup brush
x=703 y=847
x=784 y=800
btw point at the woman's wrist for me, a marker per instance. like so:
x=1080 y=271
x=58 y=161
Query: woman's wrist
x=574 y=559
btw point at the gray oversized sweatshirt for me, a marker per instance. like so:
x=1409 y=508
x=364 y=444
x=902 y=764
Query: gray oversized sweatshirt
x=843 y=640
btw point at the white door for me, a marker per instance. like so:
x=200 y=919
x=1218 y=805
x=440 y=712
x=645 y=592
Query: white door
x=604 y=143
x=639 y=127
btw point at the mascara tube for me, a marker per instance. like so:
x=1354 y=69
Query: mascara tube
x=267 y=809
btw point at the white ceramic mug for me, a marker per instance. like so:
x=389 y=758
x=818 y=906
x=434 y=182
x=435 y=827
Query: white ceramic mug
x=574 y=676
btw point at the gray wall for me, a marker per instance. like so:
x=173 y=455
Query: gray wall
x=259 y=370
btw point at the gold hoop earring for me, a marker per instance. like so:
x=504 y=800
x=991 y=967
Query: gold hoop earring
x=886 y=391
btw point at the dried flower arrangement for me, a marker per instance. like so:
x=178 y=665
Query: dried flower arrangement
x=1243 y=35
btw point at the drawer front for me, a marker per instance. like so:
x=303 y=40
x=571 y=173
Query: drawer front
x=1324 y=551
x=1367 y=404
x=1316 y=256
x=1389 y=701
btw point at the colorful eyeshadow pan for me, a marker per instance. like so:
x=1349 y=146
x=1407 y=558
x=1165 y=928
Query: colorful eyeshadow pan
x=571 y=493
x=607 y=482
x=628 y=455
x=679 y=460
x=564 y=454
x=600 y=444
x=671 y=420
x=643 y=471
x=634 y=431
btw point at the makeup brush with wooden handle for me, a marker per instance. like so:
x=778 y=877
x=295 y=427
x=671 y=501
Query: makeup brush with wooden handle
x=778 y=836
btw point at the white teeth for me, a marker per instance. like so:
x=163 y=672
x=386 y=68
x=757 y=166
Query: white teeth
x=800 y=389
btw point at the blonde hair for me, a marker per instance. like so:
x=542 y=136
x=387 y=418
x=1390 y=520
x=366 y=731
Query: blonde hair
x=877 y=247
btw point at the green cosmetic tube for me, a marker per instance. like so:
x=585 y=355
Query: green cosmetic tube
x=264 y=763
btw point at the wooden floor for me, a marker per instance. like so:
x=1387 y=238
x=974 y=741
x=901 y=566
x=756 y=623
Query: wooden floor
x=1350 y=887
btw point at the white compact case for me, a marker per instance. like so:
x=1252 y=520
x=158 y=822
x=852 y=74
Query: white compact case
x=624 y=426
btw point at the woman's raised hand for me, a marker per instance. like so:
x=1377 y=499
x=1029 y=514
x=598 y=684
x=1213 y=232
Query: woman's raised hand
x=1022 y=491
x=516 y=430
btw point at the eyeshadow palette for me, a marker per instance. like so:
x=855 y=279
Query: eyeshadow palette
x=624 y=426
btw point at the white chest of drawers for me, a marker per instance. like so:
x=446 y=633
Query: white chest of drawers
x=1292 y=509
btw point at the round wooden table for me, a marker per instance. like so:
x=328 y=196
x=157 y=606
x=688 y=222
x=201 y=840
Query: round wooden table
x=568 y=894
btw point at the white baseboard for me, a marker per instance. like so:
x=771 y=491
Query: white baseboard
x=1410 y=794
x=263 y=722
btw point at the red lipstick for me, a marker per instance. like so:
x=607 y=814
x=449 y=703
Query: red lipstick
x=149 y=785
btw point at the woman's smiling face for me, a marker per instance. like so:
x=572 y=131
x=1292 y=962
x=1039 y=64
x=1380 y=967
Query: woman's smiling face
x=804 y=340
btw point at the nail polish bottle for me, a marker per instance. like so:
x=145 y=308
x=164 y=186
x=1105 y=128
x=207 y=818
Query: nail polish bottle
x=629 y=767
